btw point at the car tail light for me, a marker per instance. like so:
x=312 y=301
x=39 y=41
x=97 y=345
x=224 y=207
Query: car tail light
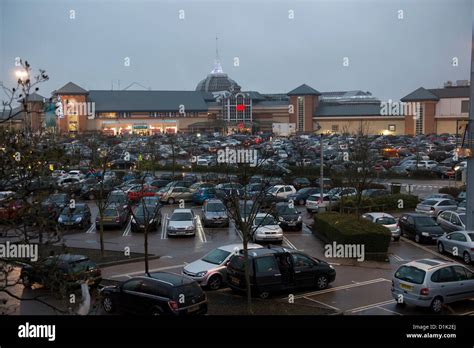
x=117 y=219
x=173 y=305
x=432 y=208
x=425 y=291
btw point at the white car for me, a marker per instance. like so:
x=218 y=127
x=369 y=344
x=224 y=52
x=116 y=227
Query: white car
x=314 y=204
x=58 y=173
x=211 y=270
x=266 y=229
x=427 y=164
x=386 y=220
x=181 y=223
x=282 y=191
x=75 y=174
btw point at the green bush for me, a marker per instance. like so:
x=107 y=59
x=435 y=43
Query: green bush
x=382 y=203
x=453 y=191
x=351 y=229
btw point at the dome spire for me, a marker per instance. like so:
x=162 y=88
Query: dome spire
x=217 y=64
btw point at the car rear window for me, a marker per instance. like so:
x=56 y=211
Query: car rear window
x=429 y=202
x=189 y=290
x=410 y=274
x=386 y=221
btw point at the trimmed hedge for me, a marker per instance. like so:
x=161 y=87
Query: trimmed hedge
x=382 y=203
x=350 y=229
x=453 y=191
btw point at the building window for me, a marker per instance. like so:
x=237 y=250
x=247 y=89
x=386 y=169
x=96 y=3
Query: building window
x=419 y=116
x=108 y=115
x=392 y=127
x=465 y=106
x=300 y=114
x=335 y=128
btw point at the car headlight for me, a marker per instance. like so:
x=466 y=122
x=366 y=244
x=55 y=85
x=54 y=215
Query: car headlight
x=60 y=219
x=201 y=274
x=300 y=218
x=79 y=219
x=426 y=234
x=189 y=228
x=331 y=267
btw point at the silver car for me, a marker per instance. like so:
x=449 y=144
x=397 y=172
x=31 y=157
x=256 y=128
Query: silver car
x=433 y=207
x=214 y=213
x=181 y=223
x=431 y=283
x=459 y=243
x=210 y=270
x=386 y=220
x=451 y=221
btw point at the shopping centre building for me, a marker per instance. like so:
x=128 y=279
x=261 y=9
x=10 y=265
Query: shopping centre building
x=219 y=104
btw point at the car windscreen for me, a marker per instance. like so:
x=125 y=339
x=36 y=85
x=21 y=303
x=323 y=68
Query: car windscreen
x=110 y=212
x=410 y=274
x=181 y=217
x=215 y=207
x=216 y=256
x=471 y=235
x=429 y=202
x=145 y=210
x=287 y=210
x=70 y=211
x=386 y=221
x=265 y=221
x=425 y=221
x=116 y=198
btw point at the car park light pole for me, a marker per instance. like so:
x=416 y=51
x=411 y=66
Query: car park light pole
x=470 y=159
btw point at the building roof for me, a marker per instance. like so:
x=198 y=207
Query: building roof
x=70 y=88
x=35 y=97
x=421 y=94
x=216 y=82
x=304 y=89
x=452 y=92
x=350 y=110
x=168 y=101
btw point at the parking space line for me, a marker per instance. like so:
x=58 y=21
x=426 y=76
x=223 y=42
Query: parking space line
x=468 y=313
x=291 y=245
x=370 y=306
x=142 y=272
x=388 y=310
x=322 y=303
x=91 y=228
x=128 y=229
x=164 y=225
x=396 y=257
x=343 y=287
x=200 y=230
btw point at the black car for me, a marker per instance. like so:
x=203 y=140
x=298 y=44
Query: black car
x=79 y=216
x=94 y=190
x=52 y=206
x=160 y=293
x=118 y=198
x=144 y=213
x=299 y=183
x=420 y=227
x=288 y=216
x=61 y=270
x=277 y=269
x=302 y=195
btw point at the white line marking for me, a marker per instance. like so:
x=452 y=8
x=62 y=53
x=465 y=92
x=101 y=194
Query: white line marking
x=396 y=257
x=429 y=250
x=128 y=229
x=200 y=230
x=164 y=225
x=321 y=303
x=370 y=306
x=291 y=245
x=343 y=287
x=142 y=272
x=388 y=310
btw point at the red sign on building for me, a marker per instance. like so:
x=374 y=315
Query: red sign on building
x=240 y=107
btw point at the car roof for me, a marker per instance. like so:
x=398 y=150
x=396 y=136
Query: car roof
x=213 y=200
x=182 y=210
x=379 y=215
x=435 y=199
x=270 y=250
x=171 y=279
x=69 y=257
x=415 y=215
x=430 y=264
x=231 y=247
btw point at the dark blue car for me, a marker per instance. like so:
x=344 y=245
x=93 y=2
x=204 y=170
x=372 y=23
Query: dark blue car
x=301 y=195
x=203 y=193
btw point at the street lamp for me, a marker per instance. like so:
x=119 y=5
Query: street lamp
x=21 y=75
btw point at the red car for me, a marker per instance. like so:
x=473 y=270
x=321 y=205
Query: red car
x=11 y=210
x=136 y=193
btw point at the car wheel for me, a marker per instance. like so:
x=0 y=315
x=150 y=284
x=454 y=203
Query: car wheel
x=417 y=238
x=264 y=295
x=467 y=258
x=441 y=248
x=322 y=282
x=170 y=200
x=25 y=278
x=108 y=304
x=215 y=282
x=436 y=305
x=301 y=202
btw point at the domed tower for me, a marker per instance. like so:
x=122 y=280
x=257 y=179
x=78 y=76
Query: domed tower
x=217 y=80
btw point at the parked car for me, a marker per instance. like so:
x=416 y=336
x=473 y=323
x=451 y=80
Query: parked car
x=61 y=270
x=420 y=227
x=118 y=198
x=202 y=194
x=160 y=293
x=182 y=222
x=431 y=283
x=210 y=270
x=300 y=196
x=342 y=192
x=288 y=217
x=451 y=221
x=299 y=183
x=459 y=244
x=144 y=213
x=52 y=206
x=277 y=269
x=373 y=193
x=282 y=191
x=137 y=192
x=462 y=206
x=314 y=203
x=175 y=194
x=439 y=195
x=79 y=216
x=114 y=216
x=265 y=228
x=433 y=207
x=214 y=213
x=386 y=220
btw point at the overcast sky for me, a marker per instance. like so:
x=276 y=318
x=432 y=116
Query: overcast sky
x=388 y=56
